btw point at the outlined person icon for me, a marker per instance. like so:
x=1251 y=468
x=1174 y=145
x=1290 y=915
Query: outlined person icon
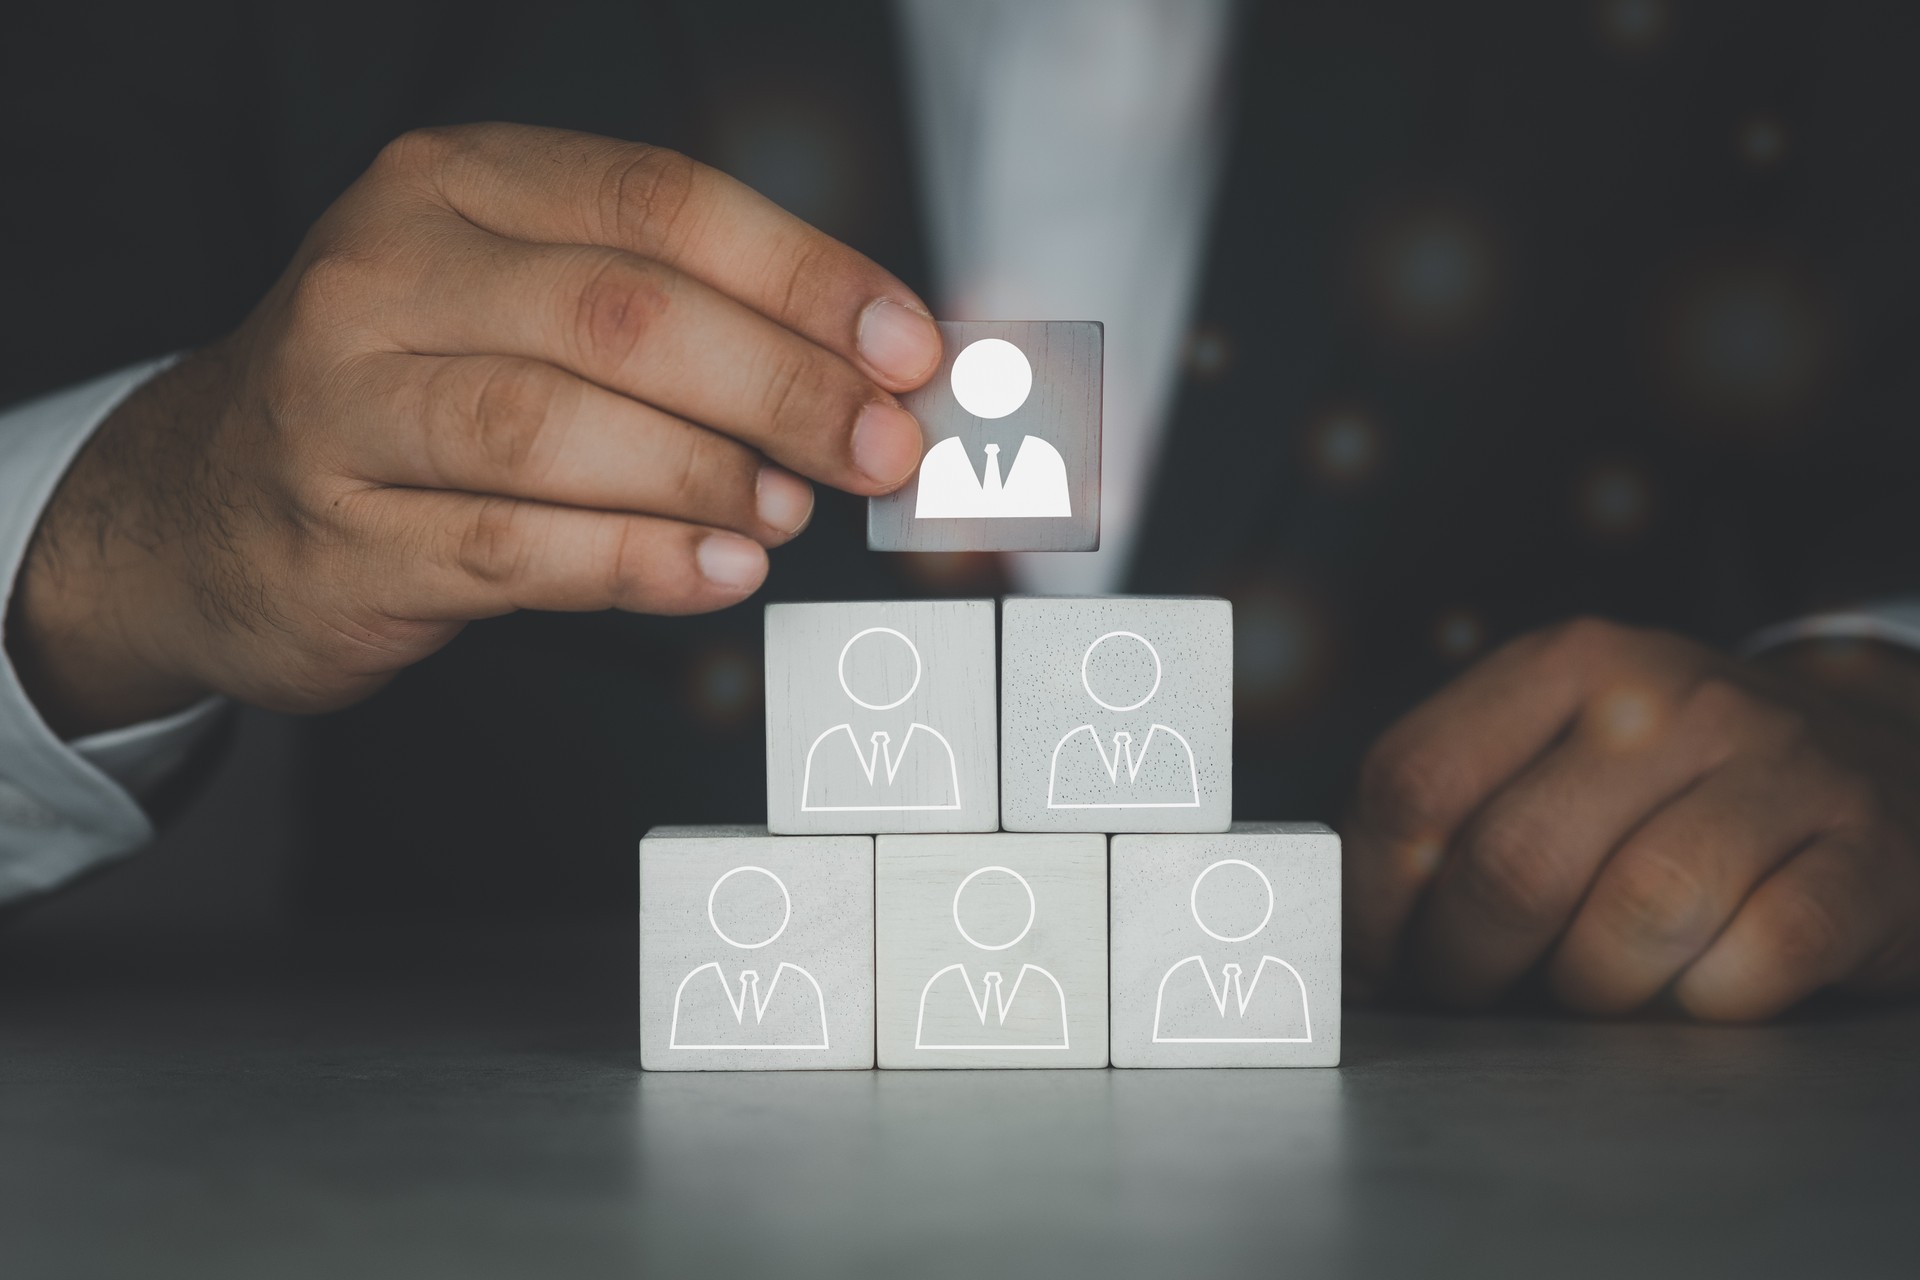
x=1243 y=1000
x=991 y=378
x=959 y=1012
x=713 y=1009
x=1154 y=770
x=895 y=770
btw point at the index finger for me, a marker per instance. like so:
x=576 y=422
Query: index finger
x=554 y=186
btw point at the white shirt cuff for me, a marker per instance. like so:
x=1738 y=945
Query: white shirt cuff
x=1894 y=622
x=66 y=807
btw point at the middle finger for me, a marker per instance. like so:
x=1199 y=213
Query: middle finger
x=644 y=330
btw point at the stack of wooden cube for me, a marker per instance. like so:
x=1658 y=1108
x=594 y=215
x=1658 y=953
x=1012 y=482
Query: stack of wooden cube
x=994 y=841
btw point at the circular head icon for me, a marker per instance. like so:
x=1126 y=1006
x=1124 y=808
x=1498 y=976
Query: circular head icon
x=991 y=378
x=1245 y=892
x=875 y=658
x=1002 y=883
x=749 y=897
x=1120 y=661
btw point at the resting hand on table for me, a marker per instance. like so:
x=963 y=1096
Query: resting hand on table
x=1637 y=812
x=509 y=368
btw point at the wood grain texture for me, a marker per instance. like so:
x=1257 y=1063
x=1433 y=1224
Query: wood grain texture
x=710 y=898
x=1159 y=756
x=1063 y=409
x=1042 y=957
x=1168 y=971
x=921 y=754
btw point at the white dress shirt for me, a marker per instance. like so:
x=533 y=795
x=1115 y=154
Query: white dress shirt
x=65 y=806
x=1070 y=152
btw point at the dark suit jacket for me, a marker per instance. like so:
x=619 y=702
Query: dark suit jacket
x=1510 y=312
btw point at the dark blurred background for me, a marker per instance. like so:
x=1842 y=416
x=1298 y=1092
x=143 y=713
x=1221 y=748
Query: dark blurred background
x=1512 y=311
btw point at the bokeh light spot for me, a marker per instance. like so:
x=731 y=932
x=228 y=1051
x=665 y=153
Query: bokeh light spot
x=1748 y=341
x=1208 y=353
x=1762 y=141
x=953 y=571
x=1633 y=26
x=1459 y=634
x=1344 y=447
x=723 y=686
x=1614 y=501
x=1429 y=275
x=1281 y=649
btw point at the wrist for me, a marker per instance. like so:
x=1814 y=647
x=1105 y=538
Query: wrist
x=97 y=604
x=1870 y=677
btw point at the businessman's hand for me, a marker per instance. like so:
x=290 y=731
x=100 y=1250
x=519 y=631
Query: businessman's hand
x=1638 y=813
x=510 y=368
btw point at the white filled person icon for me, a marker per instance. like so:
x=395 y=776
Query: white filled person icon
x=713 y=1009
x=903 y=768
x=1153 y=769
x=991 y=378
x=1243 y=995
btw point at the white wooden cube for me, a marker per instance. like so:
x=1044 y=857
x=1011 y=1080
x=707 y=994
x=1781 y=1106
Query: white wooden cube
x=1226 y=948
x=1116 y=714
x=991 y=950
x=1012 y=437
x=756 y=951
x=881 y=717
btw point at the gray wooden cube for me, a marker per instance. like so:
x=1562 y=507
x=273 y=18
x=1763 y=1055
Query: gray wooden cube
x=991 y=950
x=1116 y=713
x=881 y=717
x=756 y=950
x=1012 y=443
x=1226 y=948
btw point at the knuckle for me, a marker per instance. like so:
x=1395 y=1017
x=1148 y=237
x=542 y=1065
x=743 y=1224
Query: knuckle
x=1727 y=711
x=647 y=194
x=618 y=307
x=420 y=150
x=1653 y=898
x=1404 y=784
x=791 y=392
x=1719 y=709
x=1801 y=931
x=1587 y=640
x=490 y=548
x=800 y=290
x=511 y=415
x=686 y=473
x=1855 y=801
x=330 y=287
x=1510 y=871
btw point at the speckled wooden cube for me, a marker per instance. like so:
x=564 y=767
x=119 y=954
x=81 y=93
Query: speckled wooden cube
x=1011 y=423
x=1116 y=713
x=1226 y=948
x=756 y=951
x=991 y=950
x=881 y=717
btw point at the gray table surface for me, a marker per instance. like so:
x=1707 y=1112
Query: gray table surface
x=471 y=1106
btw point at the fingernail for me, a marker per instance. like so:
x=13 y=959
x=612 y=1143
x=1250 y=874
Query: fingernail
x=784 y=500
x=730 y=561
x=886 y=444
x=898 y=341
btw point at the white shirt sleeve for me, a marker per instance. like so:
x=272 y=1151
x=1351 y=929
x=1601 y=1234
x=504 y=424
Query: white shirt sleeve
x=1888 y=621
x=67 y=806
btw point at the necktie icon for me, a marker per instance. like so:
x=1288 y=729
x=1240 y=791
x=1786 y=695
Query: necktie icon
x=990 y=487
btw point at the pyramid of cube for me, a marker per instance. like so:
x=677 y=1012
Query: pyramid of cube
x=997 y=836
x=994 y=839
